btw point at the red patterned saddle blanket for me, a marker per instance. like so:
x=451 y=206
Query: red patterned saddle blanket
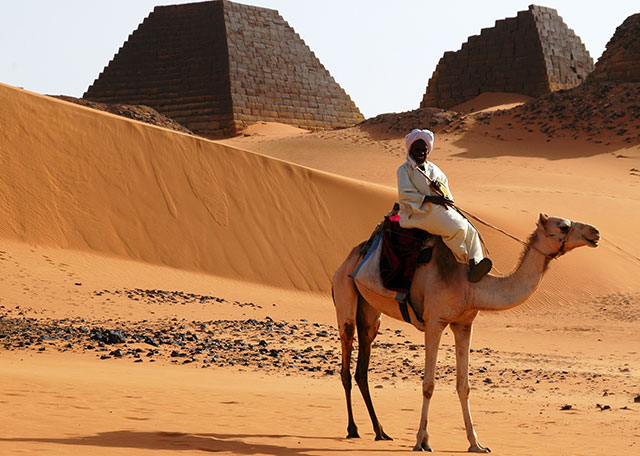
x=400 y=251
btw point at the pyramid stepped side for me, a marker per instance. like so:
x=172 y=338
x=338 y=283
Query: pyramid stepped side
x=531 y=54
x=504 y=58
x=276 y=77
x=620 y=62
x=177 y=63
x=217 y=66
x=567 y=61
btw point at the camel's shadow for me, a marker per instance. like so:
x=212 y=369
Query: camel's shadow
x=213 y=443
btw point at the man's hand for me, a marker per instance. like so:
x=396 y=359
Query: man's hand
x=441 y=200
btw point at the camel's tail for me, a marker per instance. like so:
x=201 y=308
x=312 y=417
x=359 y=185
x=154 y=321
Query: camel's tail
x=357 y=251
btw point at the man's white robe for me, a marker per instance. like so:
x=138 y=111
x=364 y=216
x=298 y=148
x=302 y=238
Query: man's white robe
x=456 y=231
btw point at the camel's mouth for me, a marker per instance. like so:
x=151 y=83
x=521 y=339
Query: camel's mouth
x=592 y=242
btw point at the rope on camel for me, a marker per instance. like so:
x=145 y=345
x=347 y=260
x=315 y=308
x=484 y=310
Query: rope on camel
x=484 y=222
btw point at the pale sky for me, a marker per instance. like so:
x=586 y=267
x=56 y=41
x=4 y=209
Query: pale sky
x=382 y=52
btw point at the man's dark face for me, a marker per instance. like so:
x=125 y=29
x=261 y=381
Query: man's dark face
x=418 y=151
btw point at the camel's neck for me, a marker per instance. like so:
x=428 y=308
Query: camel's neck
x=501 y=293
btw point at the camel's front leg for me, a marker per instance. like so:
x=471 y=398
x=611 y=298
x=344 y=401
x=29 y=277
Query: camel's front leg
x=432 y=334
x=462 y=334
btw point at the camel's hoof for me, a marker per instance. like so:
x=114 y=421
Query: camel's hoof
x=478 y=449
x=423 y=447
x=352 y=434
x=383 y=436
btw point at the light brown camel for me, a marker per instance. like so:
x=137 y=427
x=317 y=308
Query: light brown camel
x=441 y=292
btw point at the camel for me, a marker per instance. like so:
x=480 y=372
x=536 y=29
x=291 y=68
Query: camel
x=441 y=293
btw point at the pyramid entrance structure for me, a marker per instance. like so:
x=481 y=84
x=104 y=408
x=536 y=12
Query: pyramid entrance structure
x=620 y=62
x=219 y=66
x=531 y=54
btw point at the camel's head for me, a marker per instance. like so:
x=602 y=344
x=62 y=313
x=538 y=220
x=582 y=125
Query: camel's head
x=562 y=235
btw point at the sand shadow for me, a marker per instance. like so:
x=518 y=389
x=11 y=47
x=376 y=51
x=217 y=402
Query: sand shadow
x=179 y=441
x=534 y=145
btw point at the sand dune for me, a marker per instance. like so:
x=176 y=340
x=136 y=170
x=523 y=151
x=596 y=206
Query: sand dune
x=81 y=179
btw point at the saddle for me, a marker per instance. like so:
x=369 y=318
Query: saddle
x=402 y=250
x=389 y=260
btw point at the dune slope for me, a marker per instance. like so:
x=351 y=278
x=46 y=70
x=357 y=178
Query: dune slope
x=80 y=179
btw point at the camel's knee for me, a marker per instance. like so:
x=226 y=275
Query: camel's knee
x=347 y=330
x=461 y=329
x=427 y=390
x=373 y=331
x=361 y=376
x=463 y=389
x=345 y=375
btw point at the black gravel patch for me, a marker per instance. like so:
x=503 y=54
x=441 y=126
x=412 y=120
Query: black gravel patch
x=155 y=296
x=296 y=347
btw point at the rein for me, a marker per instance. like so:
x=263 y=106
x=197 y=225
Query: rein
x=559 y=253
x=623 y=251
x=553 y=256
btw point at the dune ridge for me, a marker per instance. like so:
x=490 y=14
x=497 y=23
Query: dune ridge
x=81 y=179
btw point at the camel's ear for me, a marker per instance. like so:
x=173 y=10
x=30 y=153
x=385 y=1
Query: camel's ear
x=542 y=220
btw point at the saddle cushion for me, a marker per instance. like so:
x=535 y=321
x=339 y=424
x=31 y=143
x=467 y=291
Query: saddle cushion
x=401 y=248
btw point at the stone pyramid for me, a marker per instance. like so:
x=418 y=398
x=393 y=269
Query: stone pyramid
x=531 y=54
x=620 y=62
x=219 y=66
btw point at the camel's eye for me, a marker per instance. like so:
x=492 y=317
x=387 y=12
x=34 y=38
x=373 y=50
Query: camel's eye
x=564 y=229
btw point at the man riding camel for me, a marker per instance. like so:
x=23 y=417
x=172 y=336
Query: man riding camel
x=426 y=203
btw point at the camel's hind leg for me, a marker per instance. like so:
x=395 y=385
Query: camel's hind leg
x=345 y=298
x=368 y=322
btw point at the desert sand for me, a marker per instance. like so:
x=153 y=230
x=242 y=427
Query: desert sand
x=212 y=261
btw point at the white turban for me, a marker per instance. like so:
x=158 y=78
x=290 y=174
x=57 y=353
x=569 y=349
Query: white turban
x=425 y=135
